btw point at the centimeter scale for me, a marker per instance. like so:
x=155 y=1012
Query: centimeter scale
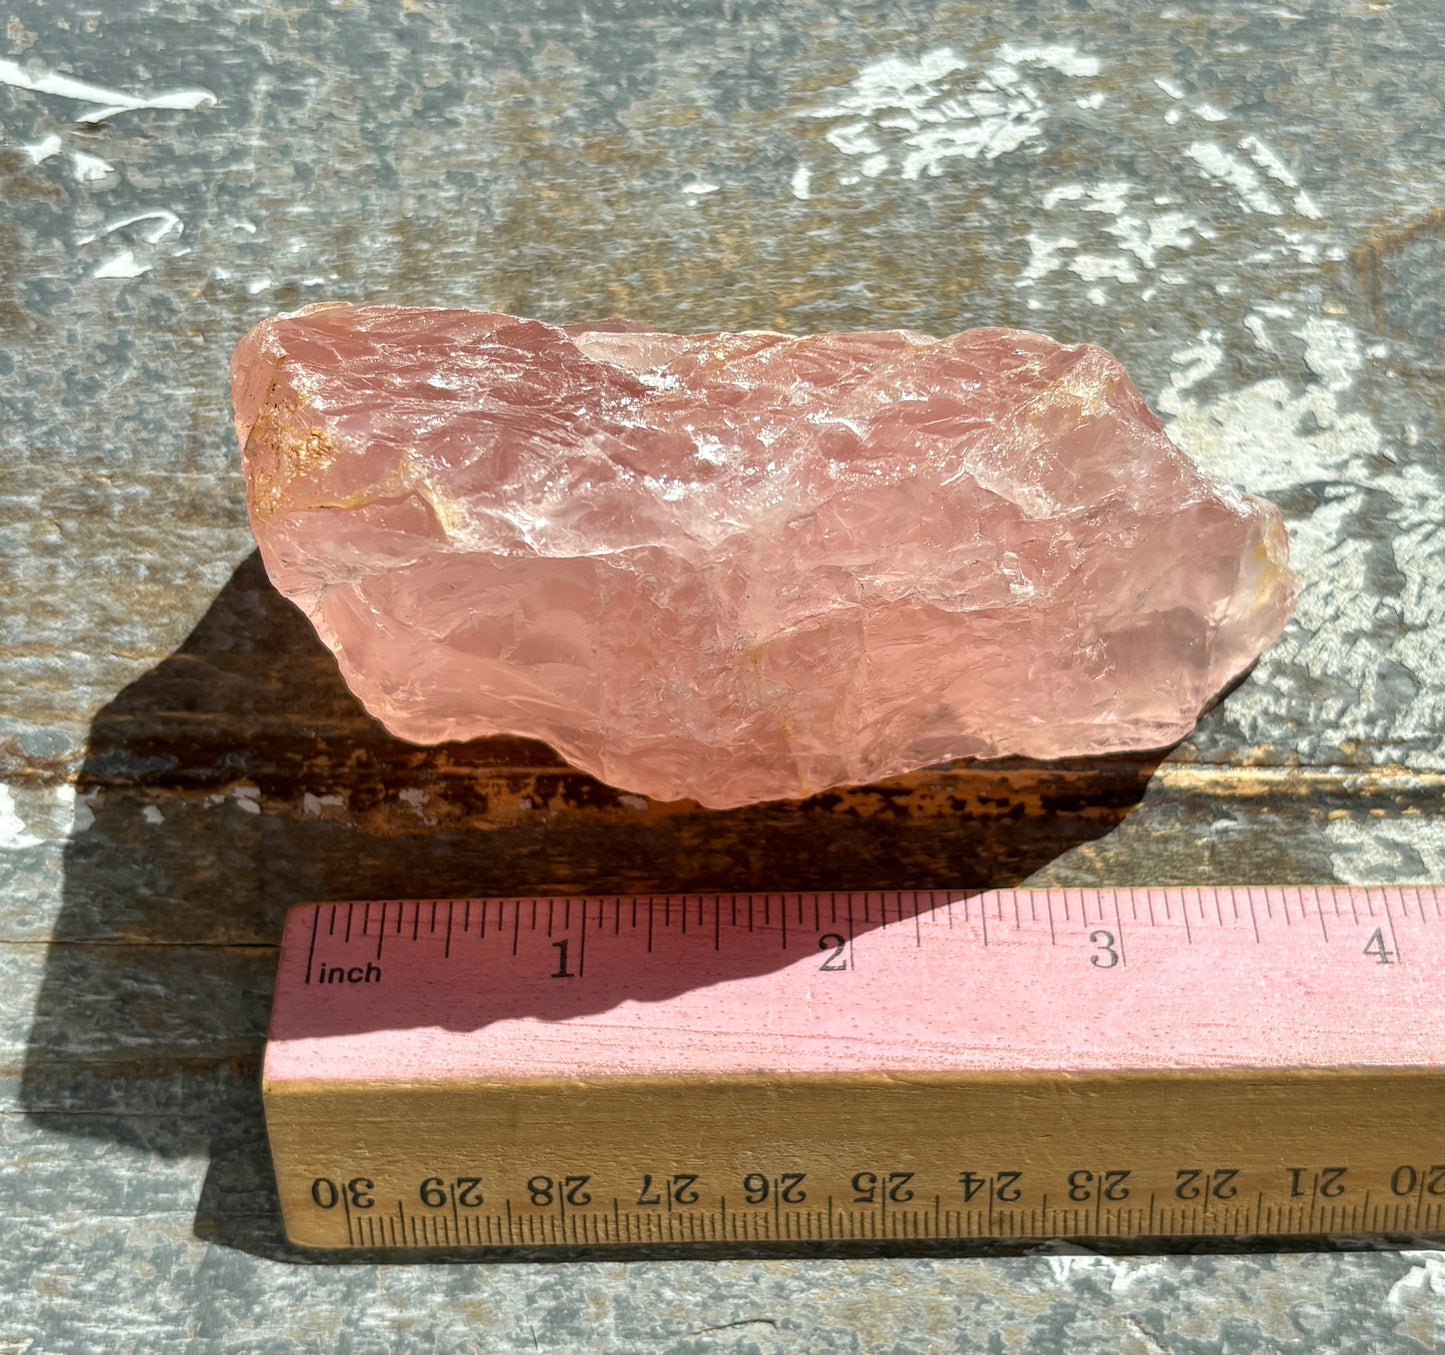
x=783 y=1067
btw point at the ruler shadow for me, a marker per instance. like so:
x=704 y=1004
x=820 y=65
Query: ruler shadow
x=239 y=776
x=836 y=1250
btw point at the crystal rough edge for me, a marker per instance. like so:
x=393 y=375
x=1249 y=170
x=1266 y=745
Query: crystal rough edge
x=740 y=567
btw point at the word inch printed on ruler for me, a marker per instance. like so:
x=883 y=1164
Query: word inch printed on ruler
x=1023 y=1064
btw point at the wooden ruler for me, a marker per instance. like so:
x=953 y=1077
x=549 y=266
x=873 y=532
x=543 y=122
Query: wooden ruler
x=786 y=1067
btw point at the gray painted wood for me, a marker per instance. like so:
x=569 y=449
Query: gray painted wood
x=1243 y=203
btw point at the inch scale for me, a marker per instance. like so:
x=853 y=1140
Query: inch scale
x=726 y=1069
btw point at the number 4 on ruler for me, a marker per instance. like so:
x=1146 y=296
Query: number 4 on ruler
x=1376 y=946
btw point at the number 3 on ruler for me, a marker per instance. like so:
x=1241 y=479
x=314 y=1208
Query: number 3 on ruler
x=1106 y=957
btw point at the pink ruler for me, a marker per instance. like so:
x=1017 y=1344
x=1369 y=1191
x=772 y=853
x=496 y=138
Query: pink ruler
x=1008 y=980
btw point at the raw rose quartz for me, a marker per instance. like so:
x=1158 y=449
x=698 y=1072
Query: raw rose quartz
x=738 y=567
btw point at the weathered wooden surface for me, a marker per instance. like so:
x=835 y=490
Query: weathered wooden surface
x=1243 y=202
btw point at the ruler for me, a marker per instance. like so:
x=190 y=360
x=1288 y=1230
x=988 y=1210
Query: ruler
x=589 y=1072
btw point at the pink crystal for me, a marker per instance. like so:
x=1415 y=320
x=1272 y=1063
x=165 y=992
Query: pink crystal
x=739 y=567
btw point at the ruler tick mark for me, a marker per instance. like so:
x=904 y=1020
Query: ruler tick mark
x=315 y=925
x=1390 y=922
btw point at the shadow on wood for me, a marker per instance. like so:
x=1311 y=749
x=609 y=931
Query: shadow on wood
x=240 y=776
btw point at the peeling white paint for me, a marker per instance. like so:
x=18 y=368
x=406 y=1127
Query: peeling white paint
x=894 y=84
x=1268 y=161
x=110 y=101
x=916 y=114
x=1045 y=255
x=1226 y=168
x=42 y=150
x=313 y=806
x=123 y=265
x=82 y=816
x=1254 y=323
x=246 y=798
x=1168 y=86
x=1140 y=234
x=1305 y=206
x=1277 y=170
x=701 y=187
x=1069 y=192
x=1332 y=351
x=14 y=835
x=1066 y=59
x=166 y=223
x=1425 y=1278
x=1092 y=267
x=417 y=799
x=1120 y=1273
x=89 y=168
x=152 y=815
x=633 y=801
x=800 y=183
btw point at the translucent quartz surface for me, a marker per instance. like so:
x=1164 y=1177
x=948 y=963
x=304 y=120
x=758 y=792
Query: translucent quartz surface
x=737 y=567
